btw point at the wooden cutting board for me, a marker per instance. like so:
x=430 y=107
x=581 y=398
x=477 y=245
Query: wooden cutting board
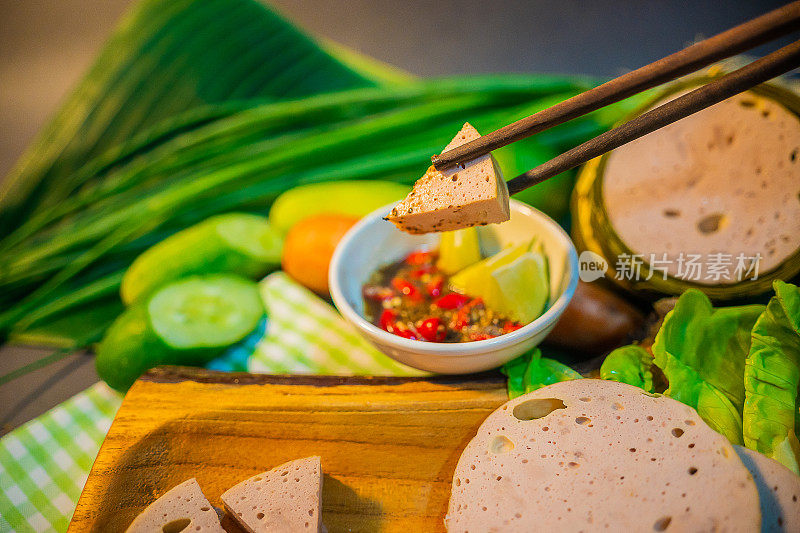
x=388 y=445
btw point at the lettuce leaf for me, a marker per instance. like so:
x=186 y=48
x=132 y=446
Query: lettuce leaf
x=631 y=365
x=532 y=371
x=702 y=352
x=771 y=378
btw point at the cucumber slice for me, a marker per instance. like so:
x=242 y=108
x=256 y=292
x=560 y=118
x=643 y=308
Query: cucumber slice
x=205 y=312
x=234 y=243
x=188 y=322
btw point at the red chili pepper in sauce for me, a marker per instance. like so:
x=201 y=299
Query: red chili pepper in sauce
x=419 y=258
x=405 y=333
x=434 y=286
x=431 y=331
x=387 y=319
x=452 y=301
x=406 y=288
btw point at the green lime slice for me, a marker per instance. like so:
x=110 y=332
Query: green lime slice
x=521 y=288
x=458 y=250
x=205 y=312
x=475 y=279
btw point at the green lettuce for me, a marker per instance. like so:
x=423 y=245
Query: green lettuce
x=702 y=352
x=532 y=371
x=771 y=378
x=631 y=365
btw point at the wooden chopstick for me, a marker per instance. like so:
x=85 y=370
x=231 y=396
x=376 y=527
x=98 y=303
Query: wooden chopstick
x=755 y=73
x=765 y=28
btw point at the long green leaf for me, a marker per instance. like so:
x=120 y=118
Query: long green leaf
x=263 y=121
x=411 y=120
x=103 y=110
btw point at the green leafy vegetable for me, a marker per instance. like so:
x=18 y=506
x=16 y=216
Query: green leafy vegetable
x=701 y=351
x=771 y=378
x=167 y=57
x=739 y=367
x=532 y=371
x=631 y=365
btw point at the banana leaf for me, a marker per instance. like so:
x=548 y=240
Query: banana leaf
x=197 y=107
x=166 y=57
x=271 y=173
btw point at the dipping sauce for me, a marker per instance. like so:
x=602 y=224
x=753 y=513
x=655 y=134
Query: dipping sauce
x=410 y=298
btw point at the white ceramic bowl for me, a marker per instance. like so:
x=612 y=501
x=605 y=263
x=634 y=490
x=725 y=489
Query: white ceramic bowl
x=373 y=243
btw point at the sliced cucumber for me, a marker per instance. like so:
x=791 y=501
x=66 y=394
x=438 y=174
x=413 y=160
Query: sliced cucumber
x=188 y=322
x=234 y=243
x=205 y=312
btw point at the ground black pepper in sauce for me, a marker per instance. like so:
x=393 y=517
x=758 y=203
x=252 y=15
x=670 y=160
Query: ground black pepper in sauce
x=410 y=298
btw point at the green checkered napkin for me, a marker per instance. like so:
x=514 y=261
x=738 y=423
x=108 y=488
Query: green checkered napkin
x=44 y=464
x=305 y=335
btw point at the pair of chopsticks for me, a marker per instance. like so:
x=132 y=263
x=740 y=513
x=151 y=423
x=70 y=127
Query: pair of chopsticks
x=755 y=32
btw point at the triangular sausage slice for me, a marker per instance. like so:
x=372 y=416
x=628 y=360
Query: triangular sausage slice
x=470 y=194
x=184 y=508
x=286 y=498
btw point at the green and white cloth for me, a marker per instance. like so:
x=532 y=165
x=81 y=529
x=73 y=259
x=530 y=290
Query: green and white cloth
x=44 y=463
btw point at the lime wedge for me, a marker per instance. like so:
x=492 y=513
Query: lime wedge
x=475 y=279
x=458 y=250
x=520 y=288
x=514 y=282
